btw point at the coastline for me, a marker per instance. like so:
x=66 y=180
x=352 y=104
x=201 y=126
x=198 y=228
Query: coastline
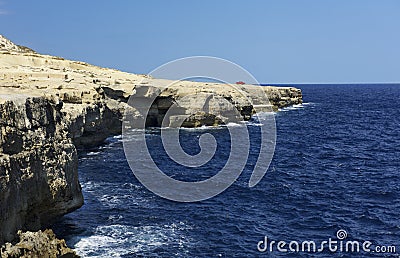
x=50 y=106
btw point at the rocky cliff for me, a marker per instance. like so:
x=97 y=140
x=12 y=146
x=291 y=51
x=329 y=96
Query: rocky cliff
x=37 y=244
x=49 y=105
x=38 y=165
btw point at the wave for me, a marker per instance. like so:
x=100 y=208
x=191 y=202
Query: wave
x=200 y=128
x=93 y=153
x=296 y=107
x=118 y=240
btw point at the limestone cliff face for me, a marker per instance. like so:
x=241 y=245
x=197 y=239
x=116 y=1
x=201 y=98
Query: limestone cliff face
x=49 y=106
x=38 y=166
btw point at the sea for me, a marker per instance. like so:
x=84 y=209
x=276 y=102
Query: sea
x=334 y=180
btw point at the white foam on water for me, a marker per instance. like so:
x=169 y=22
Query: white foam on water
x=89 y=186
x=116 y=217
x=93 y=185
x=254 y=124
x=93 y=153
x=296 y=107
x=231 y=124
x=128 y=192
x=200 y=128
x=285 y=109
x=116 y=240
x=111 y=200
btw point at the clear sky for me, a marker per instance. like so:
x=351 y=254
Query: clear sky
x=281 y=41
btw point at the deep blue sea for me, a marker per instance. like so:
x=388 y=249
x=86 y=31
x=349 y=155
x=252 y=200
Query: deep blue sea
x=336 y=167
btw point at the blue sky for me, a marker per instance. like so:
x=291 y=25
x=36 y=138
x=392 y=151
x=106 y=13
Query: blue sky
x=282 y=41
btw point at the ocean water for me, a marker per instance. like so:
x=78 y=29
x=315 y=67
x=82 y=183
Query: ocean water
x=336 y=167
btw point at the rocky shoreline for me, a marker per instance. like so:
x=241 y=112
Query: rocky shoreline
x=49 y=106
x=37 y=244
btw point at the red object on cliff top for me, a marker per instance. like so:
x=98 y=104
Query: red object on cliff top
x=240 y=82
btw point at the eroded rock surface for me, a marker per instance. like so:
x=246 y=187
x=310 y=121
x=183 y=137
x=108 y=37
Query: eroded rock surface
x=37 y=245
x=87 y=88
x=38 y=165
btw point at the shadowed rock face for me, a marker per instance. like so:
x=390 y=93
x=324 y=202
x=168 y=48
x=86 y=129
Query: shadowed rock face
x=49 y=105
x=38 y=166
